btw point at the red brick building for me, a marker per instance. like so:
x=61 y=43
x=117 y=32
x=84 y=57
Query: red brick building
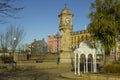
x=53 y=43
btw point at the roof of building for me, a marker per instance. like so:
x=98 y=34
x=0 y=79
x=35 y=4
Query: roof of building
x=80 y=32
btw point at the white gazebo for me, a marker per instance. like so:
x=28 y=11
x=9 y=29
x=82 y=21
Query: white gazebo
x=85 y=58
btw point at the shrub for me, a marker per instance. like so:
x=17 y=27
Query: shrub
x=112 y=68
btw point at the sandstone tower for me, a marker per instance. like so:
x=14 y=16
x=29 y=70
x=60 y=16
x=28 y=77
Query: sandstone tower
x=65 y=28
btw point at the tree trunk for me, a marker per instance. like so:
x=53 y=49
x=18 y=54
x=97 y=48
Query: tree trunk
x=106 y=58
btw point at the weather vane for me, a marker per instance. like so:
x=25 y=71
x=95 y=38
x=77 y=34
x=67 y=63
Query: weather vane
x=65 y=5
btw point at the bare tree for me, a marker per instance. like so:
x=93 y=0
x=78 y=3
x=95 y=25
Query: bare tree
x=8 y=9
x=4 y=41
x=16 y=34
x=11 y=38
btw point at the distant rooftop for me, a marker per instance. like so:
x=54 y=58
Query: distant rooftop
x=80 y=32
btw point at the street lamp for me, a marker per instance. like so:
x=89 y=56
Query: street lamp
x=3 y=50
x=14 y=38
x=14 y=43
x=31 y=49
x=14 y=59
x=58 y=57
x=57 y=42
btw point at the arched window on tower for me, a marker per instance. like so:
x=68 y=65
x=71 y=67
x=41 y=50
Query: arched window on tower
x=86 y=37
x=82 y=38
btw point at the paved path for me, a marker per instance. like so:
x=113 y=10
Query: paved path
x=46 y=74
x=42 y=74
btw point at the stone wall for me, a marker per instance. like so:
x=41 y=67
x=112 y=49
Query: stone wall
x=44 y=57
x=20 y=57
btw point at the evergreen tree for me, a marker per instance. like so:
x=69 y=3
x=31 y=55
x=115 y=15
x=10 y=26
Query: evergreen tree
x=105 y=22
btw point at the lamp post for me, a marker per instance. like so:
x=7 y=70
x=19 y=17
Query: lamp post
x=13 y=47
x=57 y=42
x=31 y=49
x=14 y=43
x=58 y=57
x=3 y=50
x=14 y=56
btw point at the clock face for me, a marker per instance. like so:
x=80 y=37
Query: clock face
x=67 y=20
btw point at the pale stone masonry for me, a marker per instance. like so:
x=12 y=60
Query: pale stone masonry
x=65 y=28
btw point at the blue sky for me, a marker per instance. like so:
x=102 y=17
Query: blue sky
x=40 y=17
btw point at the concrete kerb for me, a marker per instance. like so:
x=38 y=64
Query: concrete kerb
x=70 y=75
x=88 y=76
x=85 y=76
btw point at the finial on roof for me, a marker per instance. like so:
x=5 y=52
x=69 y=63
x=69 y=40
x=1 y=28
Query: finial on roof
x=65 y=5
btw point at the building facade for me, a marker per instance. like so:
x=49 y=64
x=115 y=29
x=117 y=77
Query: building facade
x=76 y=37
x=37 y=47
x=68 y=39
x=53 y=43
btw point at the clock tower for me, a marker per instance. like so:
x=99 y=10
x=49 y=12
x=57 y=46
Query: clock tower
x=65 y=28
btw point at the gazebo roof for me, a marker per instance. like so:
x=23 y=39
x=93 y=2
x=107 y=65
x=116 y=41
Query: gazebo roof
x=85 y=48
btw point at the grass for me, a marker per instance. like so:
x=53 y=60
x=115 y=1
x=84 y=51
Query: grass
x=44 y=66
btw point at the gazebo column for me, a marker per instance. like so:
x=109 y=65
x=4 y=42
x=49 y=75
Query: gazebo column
x=78 y=64
x=86 y=64
x=75 y=63
x=91 y=65
x=95 y=68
